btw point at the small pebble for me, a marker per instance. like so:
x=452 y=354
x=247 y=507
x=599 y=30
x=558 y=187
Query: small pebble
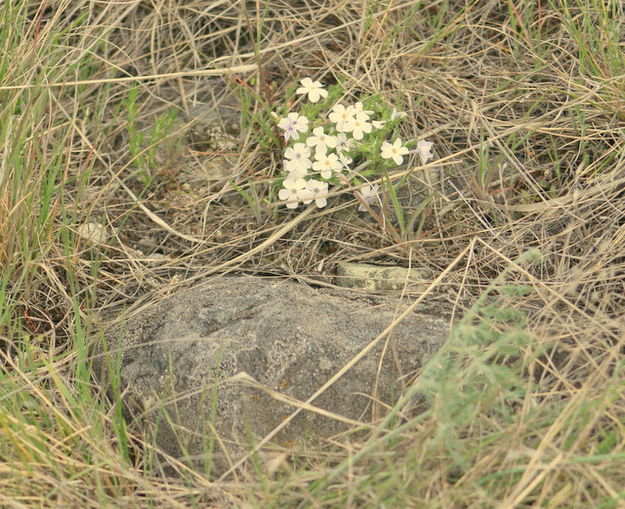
x=94 y=232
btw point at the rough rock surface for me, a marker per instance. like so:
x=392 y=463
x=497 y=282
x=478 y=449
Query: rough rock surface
x=180 y=360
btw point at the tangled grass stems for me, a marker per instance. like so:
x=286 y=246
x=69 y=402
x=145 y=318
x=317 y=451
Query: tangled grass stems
x=524 y=104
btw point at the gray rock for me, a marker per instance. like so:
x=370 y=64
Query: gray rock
x=217 y=368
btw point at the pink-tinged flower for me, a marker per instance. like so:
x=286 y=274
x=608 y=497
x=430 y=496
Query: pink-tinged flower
x=326 y=163
x=314 y=89
x=395 y=151
x=343 y=118
x=299 y=154
x=320 y=140
x=424 y=150
x=291 y=190
x=315 y=190
x=343 y=143
x=369 y=194
x=293 y=124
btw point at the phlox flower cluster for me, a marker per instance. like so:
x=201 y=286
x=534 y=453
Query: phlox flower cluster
x=320 y=152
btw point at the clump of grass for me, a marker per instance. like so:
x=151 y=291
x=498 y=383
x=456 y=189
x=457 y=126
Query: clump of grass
x=143 y=144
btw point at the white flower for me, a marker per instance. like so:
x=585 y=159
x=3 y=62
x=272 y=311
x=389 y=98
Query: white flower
x=293 y=123
x=321 y=140
x=358 y=110
x=394 y=151
x=378 y=124
x=343 y=143
x=315 y=190
x=314 y=89
x=343 y=118
x=295 y=170
x=359 y=127
x=424 y=150
x=291 y=190
x=326 y=163
x=345 y=161
x=369 y=194
x=398 y=114
x=299 y=154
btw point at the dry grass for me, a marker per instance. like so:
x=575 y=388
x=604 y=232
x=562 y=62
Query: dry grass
x=524 y=101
